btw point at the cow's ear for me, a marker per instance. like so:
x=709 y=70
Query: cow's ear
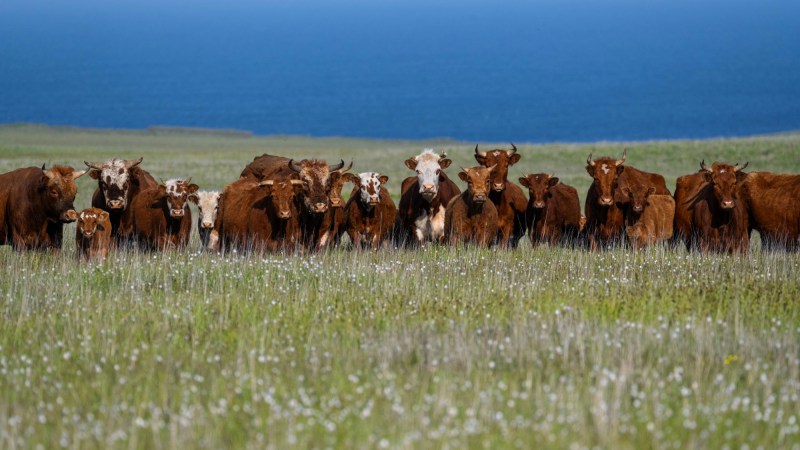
x=444 y=163
x=590 y=170
x=463 y=176
x=651 y=191
x=552 y=181
x=94 y=173
x=383 y=179
x=193 y=198
x=192 y=188
x=514 y=159
x=162 y=190
x=620 y=169
x=709 y=176
x=524 y=182
x=740 y=176
x=103 y=215
x=355 y=179
x=411 y=163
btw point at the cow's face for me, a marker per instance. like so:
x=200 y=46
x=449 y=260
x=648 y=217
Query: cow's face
x=370 y=188
x=318 y=179
x=114 y=179
x=724 y=178
x=177 y=192
x=539 y=185
x=605 y=172
x=282 y=194
x=502 y=160
x=208 y=204
x=478 y=181
x=59 y=189
x=428 y=166
x=637 y=196
x=92 y=219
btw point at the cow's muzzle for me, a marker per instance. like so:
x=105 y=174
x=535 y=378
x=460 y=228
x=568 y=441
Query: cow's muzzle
x=606 y=201
x=115 y=204
x=208 y=225
x=176 y=212
x=69 y=216
x=727 y=204
x=538 y=205
x=480 y=198
x=320 y=208
x=498 y=187
x=284 y=214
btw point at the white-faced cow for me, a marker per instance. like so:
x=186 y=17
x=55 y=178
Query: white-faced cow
x=119 y=182
x=34 y=206
x=423 y=200
x=370 y=211
x=208 y=205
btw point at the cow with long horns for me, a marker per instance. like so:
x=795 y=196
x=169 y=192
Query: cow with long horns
x=119 y=182
x=508 y=198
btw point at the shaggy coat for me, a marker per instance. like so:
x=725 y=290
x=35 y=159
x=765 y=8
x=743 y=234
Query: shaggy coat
x=654 y=223
x=93 y=234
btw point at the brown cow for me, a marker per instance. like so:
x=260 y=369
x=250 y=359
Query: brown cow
x=649 y=217
x=34 y=206
x=370 y=211
x=161 y=215
x=119 y=182
x=259 y=216
x=318 y=179
x=423 y=199
x=709 y=213
x=553 y=214
x=336 y=217
x=772 y=205
x=470 y=217
x=605 y=205
x=507 y=197
x=93 y=234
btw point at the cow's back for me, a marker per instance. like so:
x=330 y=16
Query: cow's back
x=687 y=191
x=772 y=205
x=266 y=167
x=13 y=187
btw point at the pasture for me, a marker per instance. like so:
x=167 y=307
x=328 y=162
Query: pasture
x=433 y=348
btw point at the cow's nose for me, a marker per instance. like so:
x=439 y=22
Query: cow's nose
x=638 y=208
x=284 y=214
x=538 y=204
x=427 y=187
x=606 y=201
x=320 y=207
x=114 y=204
x=480 y=198
x=208 y=225
x=499 y=186
x=176 y=213
x=727 y=204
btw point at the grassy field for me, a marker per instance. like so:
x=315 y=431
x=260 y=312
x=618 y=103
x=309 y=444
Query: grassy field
x=436 y=348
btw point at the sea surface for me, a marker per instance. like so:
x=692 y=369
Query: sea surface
x=571 y=71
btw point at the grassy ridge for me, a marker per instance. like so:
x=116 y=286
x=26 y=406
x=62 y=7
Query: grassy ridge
x=437 y=348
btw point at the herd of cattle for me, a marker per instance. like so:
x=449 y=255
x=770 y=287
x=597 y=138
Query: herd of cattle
x=282 y=205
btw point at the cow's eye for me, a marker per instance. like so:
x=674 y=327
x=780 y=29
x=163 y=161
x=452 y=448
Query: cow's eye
x=54 y=192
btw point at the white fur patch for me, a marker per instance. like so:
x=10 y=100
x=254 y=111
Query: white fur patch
x=366 y=179
x=605 y=168
x=208 y=204
x=437 y=224
x=428 y=169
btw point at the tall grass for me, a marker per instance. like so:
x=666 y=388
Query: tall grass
x=435 y=348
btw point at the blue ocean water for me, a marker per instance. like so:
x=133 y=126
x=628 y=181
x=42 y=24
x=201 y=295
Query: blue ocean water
x=478 y=71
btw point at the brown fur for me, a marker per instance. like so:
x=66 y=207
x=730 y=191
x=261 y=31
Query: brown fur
x=507 y=197
x=701 y=221
x=93 y=234
x=654 y=224
x=35 y=204
x=122 y=220
x=259 y=216
x=774 y=211
x=154 y=226
x=370 y=226
x=553 y=213
x=472 y=217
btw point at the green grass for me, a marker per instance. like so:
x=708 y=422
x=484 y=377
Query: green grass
x=436 y=348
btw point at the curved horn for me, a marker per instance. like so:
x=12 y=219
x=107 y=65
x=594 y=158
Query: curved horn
x=513 y=149
x=294 y=166
x=443 y=155
x=589 y=160
x=133 y=162
x=336 y=167
x=624 y=155
x=736 y=168
x=479 y=153
x=703 y=166
x=96 y=166
x=187 y=181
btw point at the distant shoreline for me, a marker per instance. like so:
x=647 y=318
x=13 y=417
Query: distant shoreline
x=171 y=130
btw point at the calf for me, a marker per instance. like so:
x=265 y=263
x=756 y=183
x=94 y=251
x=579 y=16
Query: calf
x=649 y=218
x=507 y=197
x=260 y=216
x=470 y=217
x=370 y=211
x=93 y=234
x=161 y=215
x=34 y=206
x=709 y=214
x=553 y=214
x=423 y=199
x=208 y=205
